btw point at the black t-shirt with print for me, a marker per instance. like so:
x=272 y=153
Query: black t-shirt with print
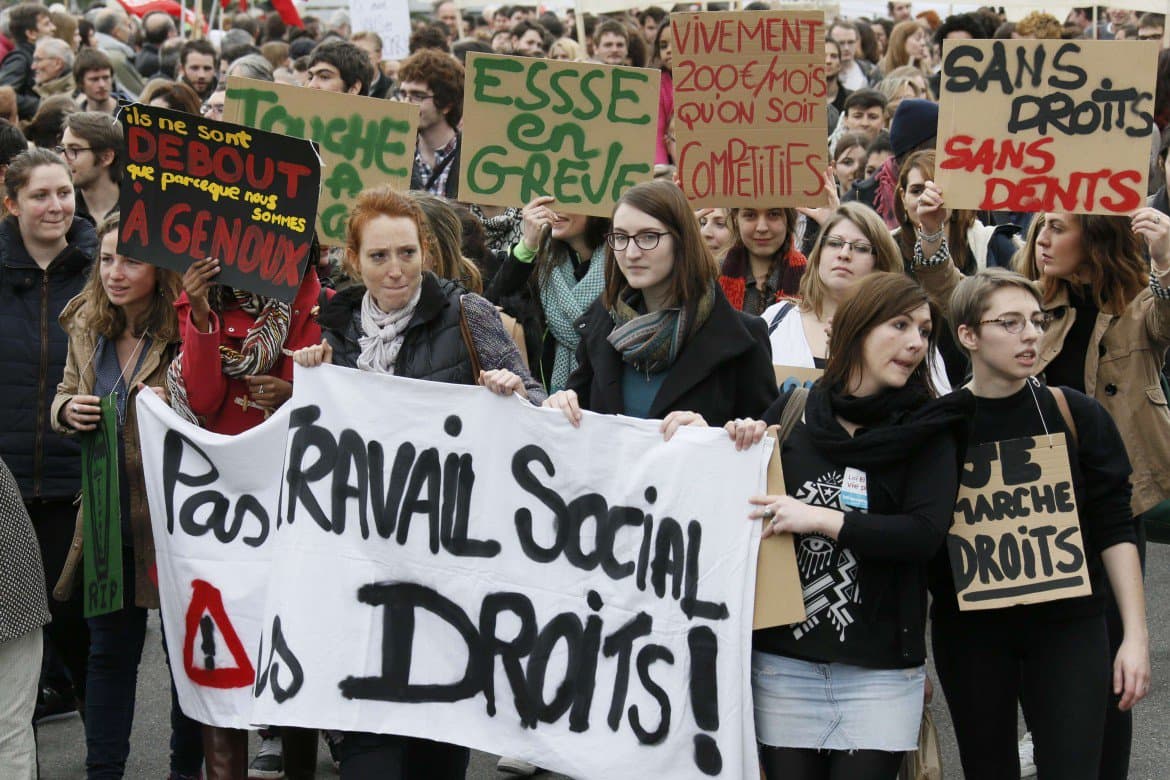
x=865 y=593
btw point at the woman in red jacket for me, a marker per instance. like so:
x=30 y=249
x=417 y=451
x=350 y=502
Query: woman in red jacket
x=233 y=371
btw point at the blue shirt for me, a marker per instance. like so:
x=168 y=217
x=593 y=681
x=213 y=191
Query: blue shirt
x=639 y=390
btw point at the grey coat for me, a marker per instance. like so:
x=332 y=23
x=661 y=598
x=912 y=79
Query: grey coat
x=23 y=601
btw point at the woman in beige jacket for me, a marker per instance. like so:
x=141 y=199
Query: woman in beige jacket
x=123 y=333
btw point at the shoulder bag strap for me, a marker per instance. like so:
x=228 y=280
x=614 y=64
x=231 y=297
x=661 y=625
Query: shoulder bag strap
x=793 y=411
x=1065 y=412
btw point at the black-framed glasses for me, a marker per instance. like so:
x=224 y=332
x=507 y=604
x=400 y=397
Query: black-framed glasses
x=646 y=240
x=413 y=97
x=836 y=244
x=1013 y=323
x=71 y=152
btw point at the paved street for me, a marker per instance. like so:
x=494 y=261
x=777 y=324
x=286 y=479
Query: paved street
x=62 y=747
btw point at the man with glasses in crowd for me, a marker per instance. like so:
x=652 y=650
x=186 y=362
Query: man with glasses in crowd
x=855 y=73
x=92 y=146
x=433 y=81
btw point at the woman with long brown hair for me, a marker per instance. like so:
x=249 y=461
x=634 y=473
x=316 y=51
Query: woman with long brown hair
x=841 y=694
x=123 y=334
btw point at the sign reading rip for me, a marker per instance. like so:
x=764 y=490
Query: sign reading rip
x=1016 y=538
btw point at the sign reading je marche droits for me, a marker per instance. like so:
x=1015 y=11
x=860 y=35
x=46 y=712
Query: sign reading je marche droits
x=581 y=132
x=1016 y=538
x=196 y=188
x=749 y=107
x=1030 y=125
x=364 y=142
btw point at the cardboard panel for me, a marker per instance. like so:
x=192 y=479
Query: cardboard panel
x=1016 y=538
x=788 y=377
x=779 y=597
x=364 y=142
x=196 y=188
x=749 y=107
x=578 y=131
x=1029 y=125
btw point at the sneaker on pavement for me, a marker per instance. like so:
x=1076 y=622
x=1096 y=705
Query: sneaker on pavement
x=54 y=705
x=1027 y=763
x=269 y=761
x=516 y=766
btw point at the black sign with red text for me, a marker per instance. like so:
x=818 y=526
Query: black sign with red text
x=195 y=188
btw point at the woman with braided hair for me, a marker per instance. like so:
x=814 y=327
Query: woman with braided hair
x=233 y=371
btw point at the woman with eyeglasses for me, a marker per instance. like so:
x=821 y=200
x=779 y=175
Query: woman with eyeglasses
x=662 y=342
x=871 y=470
x=1110 y=309
x=852 y=244
x=1053 y=657
x=45 y=254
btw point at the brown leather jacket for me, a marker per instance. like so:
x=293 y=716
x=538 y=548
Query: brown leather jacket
x=79 y=380
x=1125 y=356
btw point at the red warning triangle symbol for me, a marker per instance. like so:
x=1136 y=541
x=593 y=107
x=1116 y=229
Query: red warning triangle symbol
x=207 y=599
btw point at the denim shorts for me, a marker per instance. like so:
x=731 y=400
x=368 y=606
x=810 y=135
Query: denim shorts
x=801 y=704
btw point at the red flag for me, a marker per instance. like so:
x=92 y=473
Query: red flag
x=288 y=12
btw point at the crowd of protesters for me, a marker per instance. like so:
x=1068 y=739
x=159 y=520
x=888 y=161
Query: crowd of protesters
x=937 y=330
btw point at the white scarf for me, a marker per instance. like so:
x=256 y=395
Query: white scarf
x=382 y=333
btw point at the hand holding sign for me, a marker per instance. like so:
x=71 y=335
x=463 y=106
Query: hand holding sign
x=533 y=217
x=197 y=282
x=932 y=210
x=82 y=413
x=746 y=432
x=311 y=357
x=788 y=515
x=1154 y=227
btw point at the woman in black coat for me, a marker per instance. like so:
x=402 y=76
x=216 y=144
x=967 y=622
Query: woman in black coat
x=662 y=342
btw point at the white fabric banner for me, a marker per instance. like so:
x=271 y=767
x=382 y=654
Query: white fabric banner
x=468 y=568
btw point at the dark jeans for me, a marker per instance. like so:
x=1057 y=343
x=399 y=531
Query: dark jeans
x=116 y=641
x=388 y=757
x=54 y=520
x=1059 y=672
x=1118 y=725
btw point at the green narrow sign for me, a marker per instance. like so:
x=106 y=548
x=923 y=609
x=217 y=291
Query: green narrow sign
x=101 y=507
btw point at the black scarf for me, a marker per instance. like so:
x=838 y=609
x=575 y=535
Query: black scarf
x=893 y=423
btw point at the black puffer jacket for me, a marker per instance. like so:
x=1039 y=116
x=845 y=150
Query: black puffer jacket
x=32 y=352
x=16 y=72
x=433 y=347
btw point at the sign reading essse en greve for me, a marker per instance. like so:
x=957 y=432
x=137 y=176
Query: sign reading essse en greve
x=580 y=132
x=196 y=188
x=1046 y=125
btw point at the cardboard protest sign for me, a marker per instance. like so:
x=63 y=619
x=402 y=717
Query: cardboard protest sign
x=779 y=595
x=101 y=514
x=213 y=509
x=749 y=107
x=788 y=377
x=581 y=132
x=1016 y=538
x=364 y=142
x=580 y=598
x=1046 y=125
x=196 y=188
x=390 y=19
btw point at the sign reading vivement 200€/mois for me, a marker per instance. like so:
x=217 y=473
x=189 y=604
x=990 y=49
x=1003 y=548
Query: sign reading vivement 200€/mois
x=364 y=142
x=581 y=132
x=749 y=107
x=196 y=188
x=1046 y=125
